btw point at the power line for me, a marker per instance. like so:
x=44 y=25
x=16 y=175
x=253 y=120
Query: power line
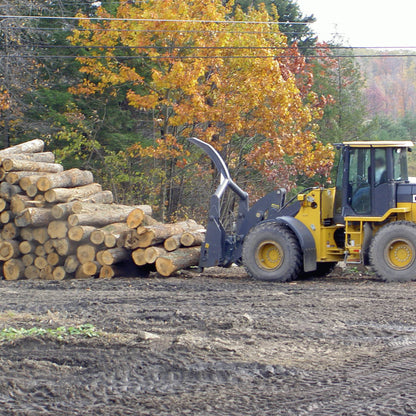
x=128 y=19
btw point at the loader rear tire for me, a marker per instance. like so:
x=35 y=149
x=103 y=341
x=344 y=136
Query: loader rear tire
x=271 y=252
x=393 y=252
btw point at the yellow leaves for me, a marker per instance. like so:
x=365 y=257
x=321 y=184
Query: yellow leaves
x=4 y=99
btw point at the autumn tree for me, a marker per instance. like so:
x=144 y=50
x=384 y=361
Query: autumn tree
x=199 y=75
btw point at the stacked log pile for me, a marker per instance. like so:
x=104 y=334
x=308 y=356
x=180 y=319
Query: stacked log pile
x=58 y=224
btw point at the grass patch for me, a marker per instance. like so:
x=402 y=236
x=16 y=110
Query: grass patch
x=60 y=333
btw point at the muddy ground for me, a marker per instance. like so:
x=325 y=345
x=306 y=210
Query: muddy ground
x=211 y=344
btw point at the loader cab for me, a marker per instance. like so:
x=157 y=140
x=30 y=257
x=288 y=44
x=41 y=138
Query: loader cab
x=367 y=179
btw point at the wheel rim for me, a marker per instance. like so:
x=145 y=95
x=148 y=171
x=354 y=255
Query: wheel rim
x=400 y=254
x=269 y=255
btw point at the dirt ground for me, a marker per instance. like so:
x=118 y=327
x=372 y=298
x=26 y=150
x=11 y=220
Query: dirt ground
x=216 y=343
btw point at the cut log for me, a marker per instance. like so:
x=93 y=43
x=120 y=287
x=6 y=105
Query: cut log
x=6 y=216
x=59 y=273
x=71 y=264
x=48 y=157
x=7 y=190
x=27 y=181
x=26 y=234
x=9 y=249
x=57 y=229
x=138 y=257
x=31 y=166
x=91 y=268
x=63 y=246
x=80 y=233
x=31 y=190
x=32 y=146
x=172 y=243
x=46 y=273
x=86 y=252
x=63 y=211
x=71 y=194
x=100 y=215
x=28 y=259
x=155 y=234
x=152 y=253
x=139 y=216
x=14 y=177
x=192 y=238
x=26 y=247
x=40 y=251
x=9 y=231
x=113 y=255
x=125 y=270
x=67 y=179
x=97 y=237
x=49 y=246
x=31 y=272
x=39 y=217
x=18 y=203
x=40 y=262
x=54 y=259
x=103 y=197
x=177 y=260
x=80 y=274
x=40 y=235
x=13 y=269
x=3 y=204
x=110 y=240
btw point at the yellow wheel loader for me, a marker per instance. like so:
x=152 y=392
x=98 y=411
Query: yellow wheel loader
x=369 y=218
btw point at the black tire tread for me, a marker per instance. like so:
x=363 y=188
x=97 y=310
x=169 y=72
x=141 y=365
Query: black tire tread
x=377 y=261
x=292 y=241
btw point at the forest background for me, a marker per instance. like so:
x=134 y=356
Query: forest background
x=117 y=86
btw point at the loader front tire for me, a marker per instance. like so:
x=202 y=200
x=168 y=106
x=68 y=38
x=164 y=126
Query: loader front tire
x=393 y=252
x=272 y=252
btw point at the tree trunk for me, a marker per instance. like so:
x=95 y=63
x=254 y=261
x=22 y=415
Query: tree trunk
x=31 y=166
x=47 y=157
x=70 y=194
x=152 y=253
x=13 y=269
x=32 y=146
x=172 y=243
x=103 y=197
x=67 y=179
x=38 y=217
x=113 y=255
x=80 y=233
x=177 y=260
x=192 y=238
x=64 y=210
x=155 y=234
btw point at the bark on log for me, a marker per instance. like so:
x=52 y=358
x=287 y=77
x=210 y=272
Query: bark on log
x=80 y=233
x=30 y=166
x=86 y=252
x=192 y=238
x=177 y=260
x=7 y=191
x=113 y=255
x=70 y=194
x=9 y=249
x=32 y=146
x=27 y=181
x=14 y=178
x=47 y=157
x=172 y=243
x=103 y=197
x=155 y=234
x=13 y=269
x=152 y=253
x=67 y=179
x=101 y=215
x=31 y=272
x=64 y=210
x=38 y=217
x=57 y=229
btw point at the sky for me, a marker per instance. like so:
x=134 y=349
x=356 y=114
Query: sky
x=364 y=23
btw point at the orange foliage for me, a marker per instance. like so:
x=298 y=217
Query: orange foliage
x=198 y=81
